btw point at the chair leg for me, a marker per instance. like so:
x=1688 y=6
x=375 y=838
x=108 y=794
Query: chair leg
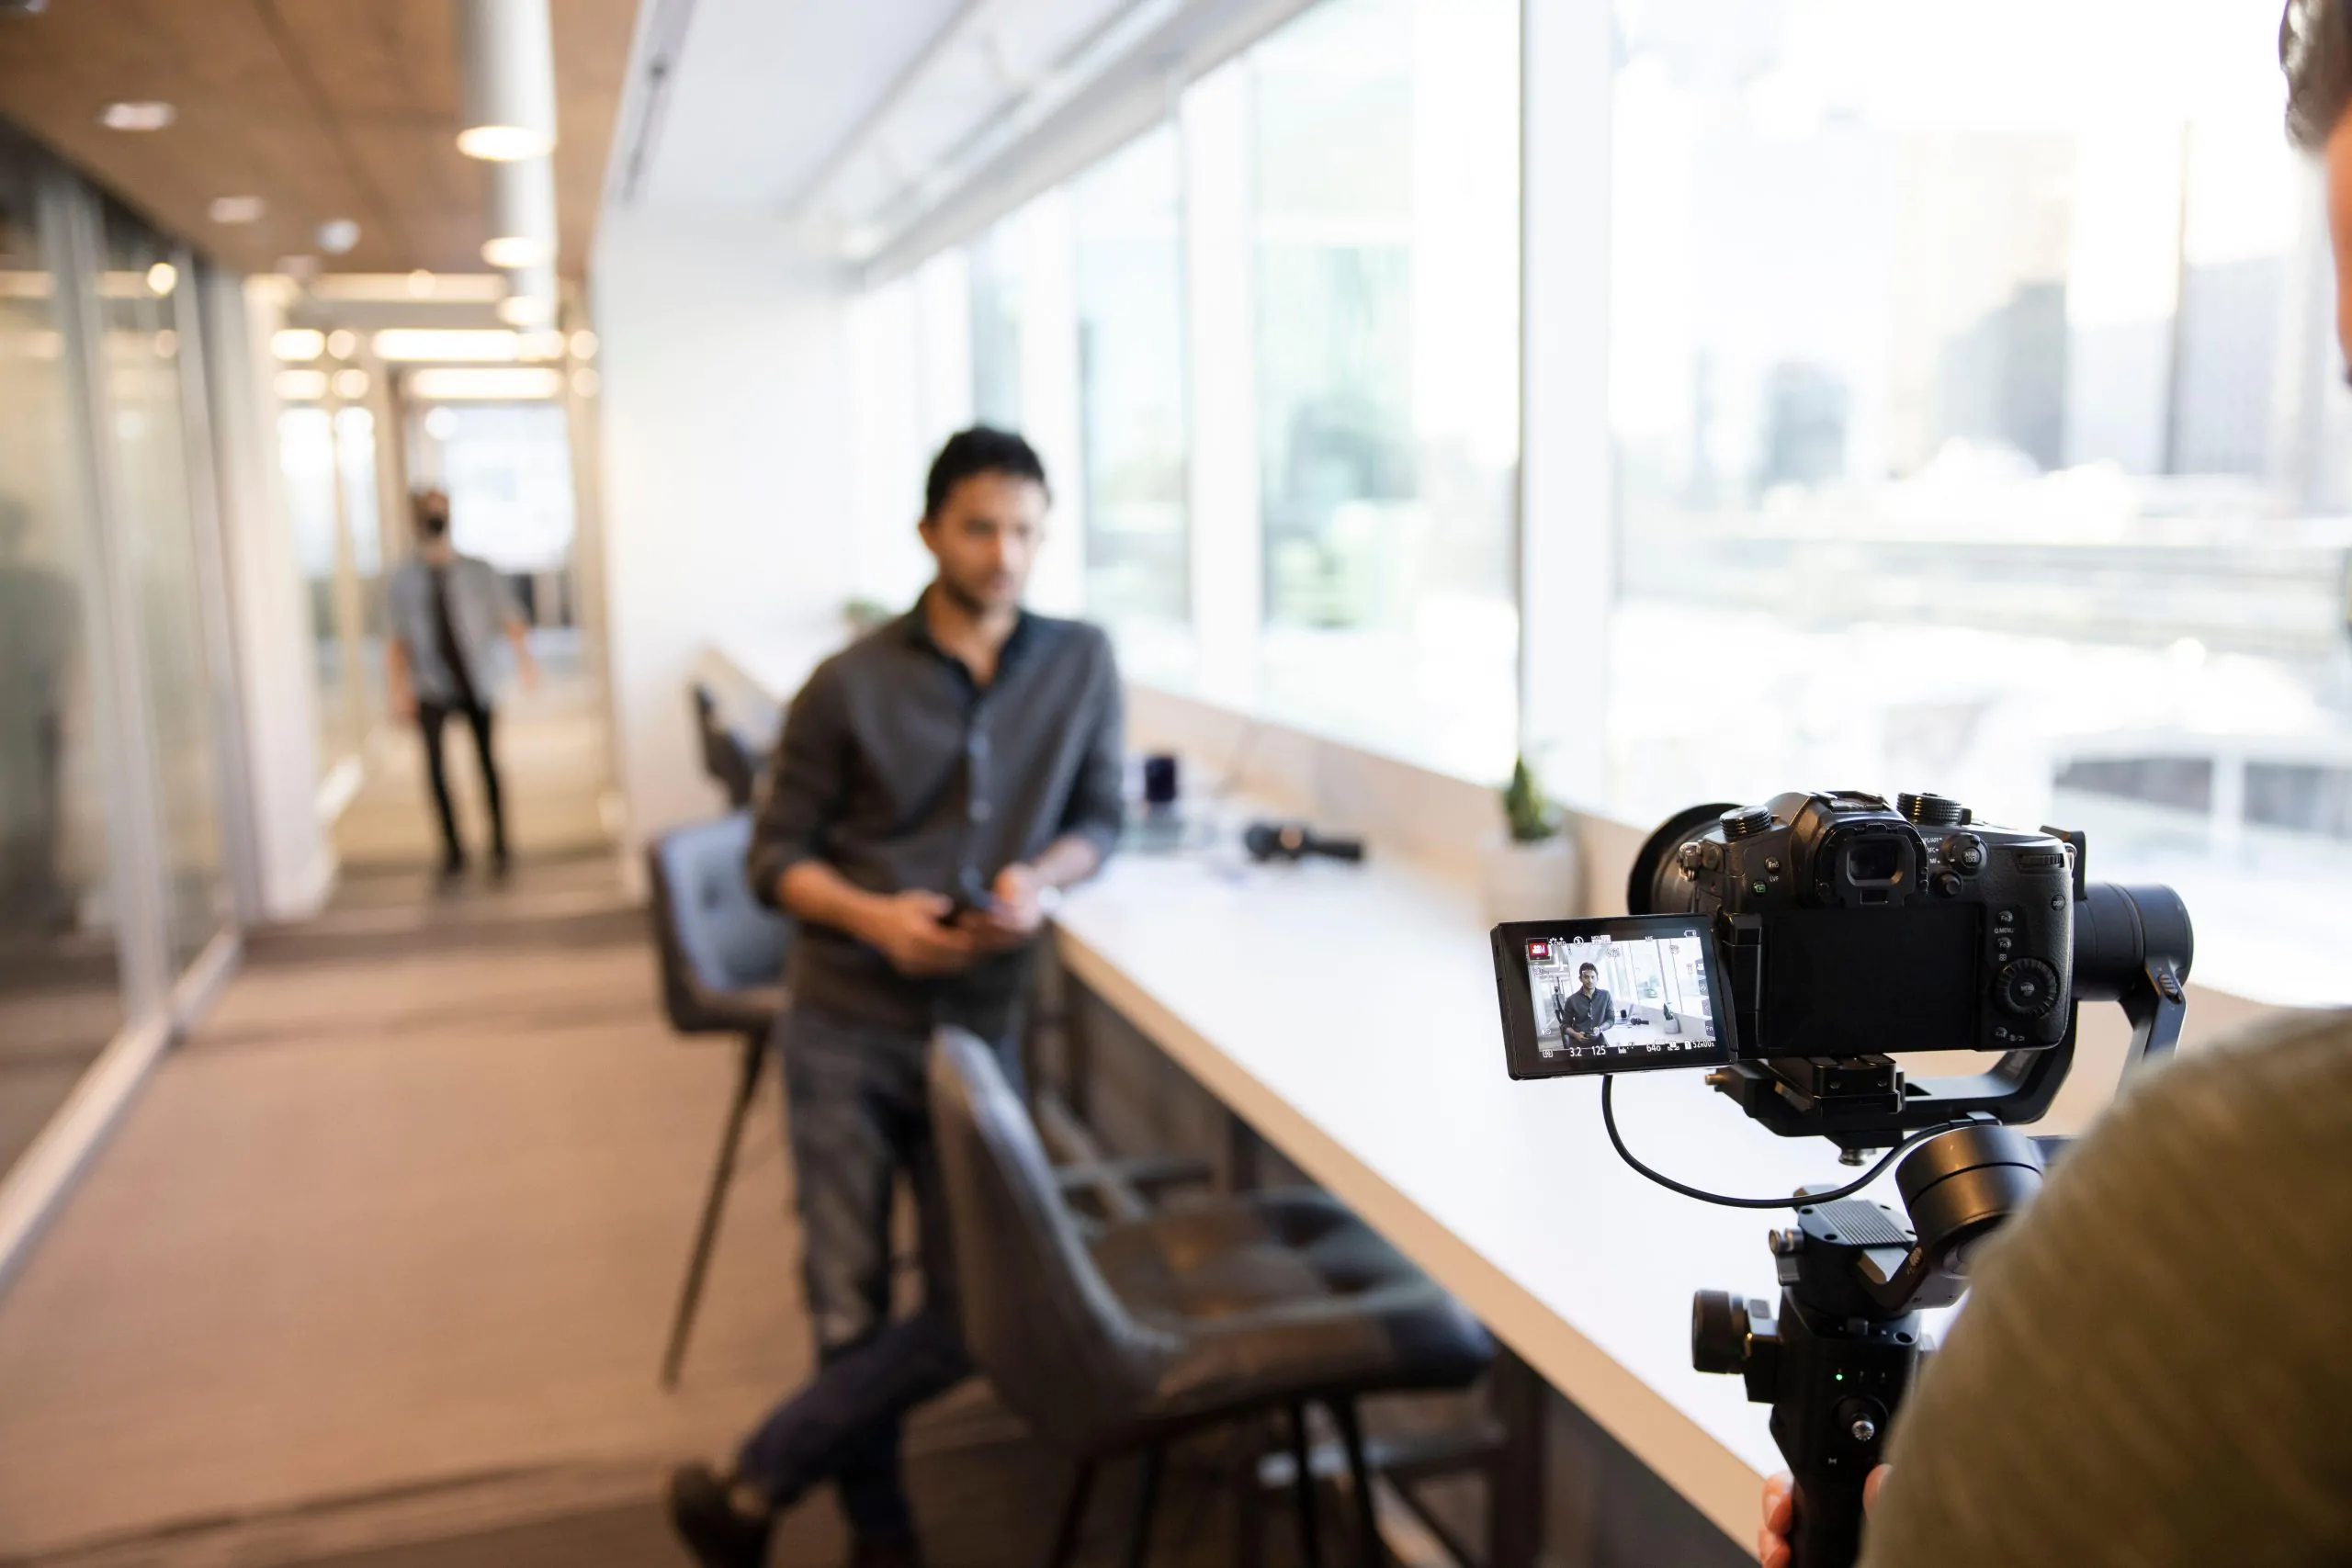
x=714 y=1205
x=1073 y=1513
x=1367 y=1523
x=1311 y=1537
x=1139 y=1539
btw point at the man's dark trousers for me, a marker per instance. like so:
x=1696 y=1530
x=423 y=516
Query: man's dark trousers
x=431 y=717
x=857 y=1114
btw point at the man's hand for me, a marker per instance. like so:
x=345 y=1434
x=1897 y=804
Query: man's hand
x=1772 y=1549
x=1016 y=913
x=907 y=928
x=403 y=702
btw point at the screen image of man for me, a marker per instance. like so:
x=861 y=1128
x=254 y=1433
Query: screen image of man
x=1588 y=1012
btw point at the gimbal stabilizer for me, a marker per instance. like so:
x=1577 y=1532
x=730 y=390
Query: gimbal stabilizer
x=1836 y=1359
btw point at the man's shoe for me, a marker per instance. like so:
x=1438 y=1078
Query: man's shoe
x=900 y=1552
x=703 y=1511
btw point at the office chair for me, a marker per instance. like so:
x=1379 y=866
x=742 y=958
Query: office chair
x=1122 y=1340
x=730 y=760
x=722 y=968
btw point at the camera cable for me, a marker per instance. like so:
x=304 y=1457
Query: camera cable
x=1795 y=1201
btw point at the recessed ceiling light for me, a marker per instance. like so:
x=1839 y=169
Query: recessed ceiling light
x=237 y=209
x=350 y=385
x=441 y=423
x=140 y=114
x=526 y=310
x=337 y=235
x=342 y=344
x=420 y=284
x=477 y=345
x=161 y=278
x=518 y=251
x=298 y=343
x=584 y=345
x=483 y=383
x=504 y=144
x=300 y=386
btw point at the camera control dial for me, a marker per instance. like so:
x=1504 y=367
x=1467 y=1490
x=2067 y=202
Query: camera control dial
x=1930 y=810
x=2025 y=987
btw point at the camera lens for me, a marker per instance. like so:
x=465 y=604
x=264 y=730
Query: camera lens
x=1874 y=862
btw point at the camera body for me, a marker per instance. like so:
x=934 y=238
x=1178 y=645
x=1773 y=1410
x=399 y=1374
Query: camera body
x=1849 y=926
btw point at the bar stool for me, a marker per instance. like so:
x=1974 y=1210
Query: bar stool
x=722 y=973
x=730 y=760
x=1121 y=1341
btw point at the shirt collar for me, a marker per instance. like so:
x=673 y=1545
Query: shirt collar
x=915 y=627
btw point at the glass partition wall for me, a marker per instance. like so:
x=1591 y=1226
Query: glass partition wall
x=115 y=881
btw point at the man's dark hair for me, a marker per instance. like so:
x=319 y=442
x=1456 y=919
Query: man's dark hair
x=979 y=450
x=1584 y=969
x=430 y=507
x=2315 y=51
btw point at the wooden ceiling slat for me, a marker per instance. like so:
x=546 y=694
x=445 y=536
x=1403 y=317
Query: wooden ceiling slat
x=384 y=72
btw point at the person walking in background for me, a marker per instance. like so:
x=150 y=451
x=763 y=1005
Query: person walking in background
x=447 y=612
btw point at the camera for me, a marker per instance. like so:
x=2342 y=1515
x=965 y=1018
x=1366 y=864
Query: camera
x=1794 y=948
x=1849 y=926
x=1789 y=948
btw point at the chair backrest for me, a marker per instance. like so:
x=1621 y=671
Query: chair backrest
x=722 y=952
x=1038 y=1317
x=726 y=756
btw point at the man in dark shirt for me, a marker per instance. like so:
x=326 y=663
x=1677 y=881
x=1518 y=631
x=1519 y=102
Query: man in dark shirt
x=938 y=783
x=1588 y=1010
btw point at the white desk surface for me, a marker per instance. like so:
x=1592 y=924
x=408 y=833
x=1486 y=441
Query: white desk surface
x=1349 y=1014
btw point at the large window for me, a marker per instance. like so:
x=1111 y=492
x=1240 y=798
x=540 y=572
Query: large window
x=1131 y=385
x=1384 y=223
x=1270 y=351
x=1978 y=429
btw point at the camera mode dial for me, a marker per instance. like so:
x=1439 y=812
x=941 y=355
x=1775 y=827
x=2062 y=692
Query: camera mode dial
x=1746 y=822
x=1930 y=810
x=2025 y=987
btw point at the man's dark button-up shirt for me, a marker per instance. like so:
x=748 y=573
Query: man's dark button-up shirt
x=900 y=771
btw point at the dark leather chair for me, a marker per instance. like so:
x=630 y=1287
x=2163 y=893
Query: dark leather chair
x=731 y=761
x=1120 y=1340
x=722 y=973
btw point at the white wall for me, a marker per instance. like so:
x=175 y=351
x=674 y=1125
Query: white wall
x=728 y=498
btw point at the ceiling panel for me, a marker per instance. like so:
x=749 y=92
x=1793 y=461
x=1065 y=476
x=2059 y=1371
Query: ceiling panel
x=325 y=108
x=765 y=90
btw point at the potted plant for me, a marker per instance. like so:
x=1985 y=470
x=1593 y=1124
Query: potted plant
x=1530 y=870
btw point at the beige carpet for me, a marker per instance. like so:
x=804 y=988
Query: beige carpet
x=394 y=1219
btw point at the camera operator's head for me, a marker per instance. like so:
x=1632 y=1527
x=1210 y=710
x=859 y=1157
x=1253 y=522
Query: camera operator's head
x=1586 y=976
x=2315 y=48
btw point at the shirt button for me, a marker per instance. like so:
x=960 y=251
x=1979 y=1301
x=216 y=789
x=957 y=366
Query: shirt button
x=981 y=811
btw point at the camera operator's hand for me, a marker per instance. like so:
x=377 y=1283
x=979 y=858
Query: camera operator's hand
x=907 y=928
x=1772 y=1550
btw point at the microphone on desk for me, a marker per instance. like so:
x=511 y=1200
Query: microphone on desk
x=1294 y=841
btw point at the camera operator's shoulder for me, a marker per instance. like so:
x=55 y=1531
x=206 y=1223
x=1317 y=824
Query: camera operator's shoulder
x=2287 y=1073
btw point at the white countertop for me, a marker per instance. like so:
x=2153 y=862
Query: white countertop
x=1349 y=1014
